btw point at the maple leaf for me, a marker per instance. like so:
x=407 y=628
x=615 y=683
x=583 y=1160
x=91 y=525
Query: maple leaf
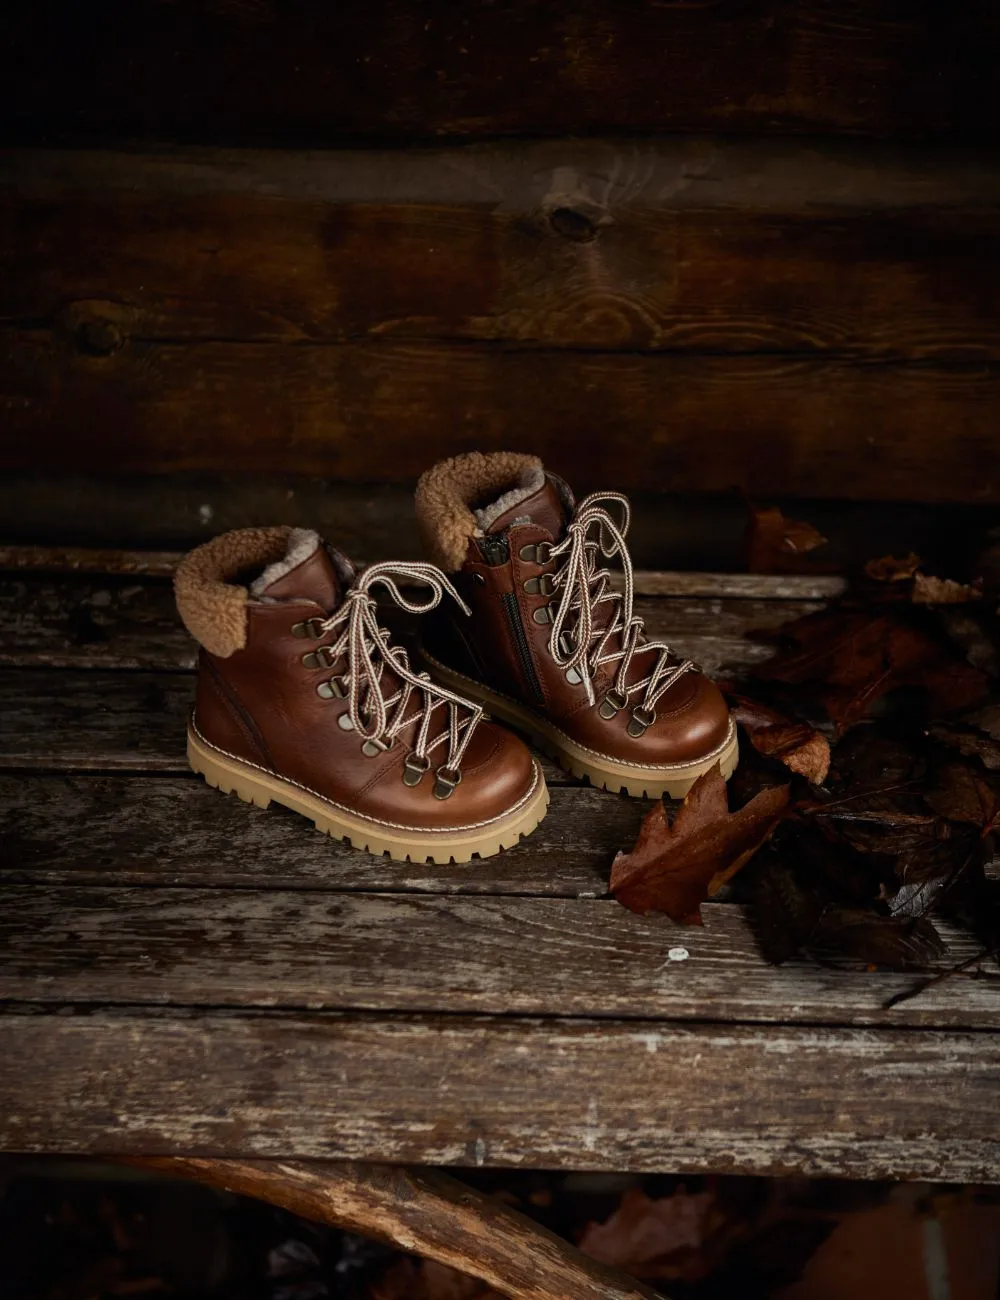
x=675 y=868
x=778 y=545
x=796 y=744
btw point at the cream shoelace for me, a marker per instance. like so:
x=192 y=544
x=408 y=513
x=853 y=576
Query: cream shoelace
x=366 y=648
x=585 y=586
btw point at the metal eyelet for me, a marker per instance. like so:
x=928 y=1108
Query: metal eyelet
x=332 y=689
x=536 y=552
x=543 y=614
x=345 y=722
x=573 y=677
x=321 y=657
x=566 y=644
x=414 y=769
x=373 y=747
x=640 y=720
x=311 y=627
x=612 y=703
x=540 y=586
x=445 y=780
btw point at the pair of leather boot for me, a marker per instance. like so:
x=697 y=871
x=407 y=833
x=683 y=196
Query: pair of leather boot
x=302 y=696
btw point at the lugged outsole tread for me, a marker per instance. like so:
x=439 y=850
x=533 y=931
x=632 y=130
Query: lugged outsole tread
x=217 y=774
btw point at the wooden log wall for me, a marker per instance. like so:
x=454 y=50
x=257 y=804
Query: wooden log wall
x=222 y=255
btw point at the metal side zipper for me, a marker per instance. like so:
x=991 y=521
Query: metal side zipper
x=496 y=551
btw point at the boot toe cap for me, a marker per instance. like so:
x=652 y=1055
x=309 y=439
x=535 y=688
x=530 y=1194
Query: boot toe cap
x=498 y=772
x=692 y=721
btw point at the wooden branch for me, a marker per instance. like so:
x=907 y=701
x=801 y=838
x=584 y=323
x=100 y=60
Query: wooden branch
x=423 y=1212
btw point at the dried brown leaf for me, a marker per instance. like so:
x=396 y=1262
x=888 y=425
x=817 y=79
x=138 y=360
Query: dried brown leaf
x=410 y=1279
x=651 y=1238
x=852 y=657
x=969 y=741
x=890 y=941
x=796 y=744
x=675 y=868
x=891 y=569
x=963 y=795
x=942 y=591
x=778 y=545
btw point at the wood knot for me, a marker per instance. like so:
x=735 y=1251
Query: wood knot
x=572 y=224
x=98 y=338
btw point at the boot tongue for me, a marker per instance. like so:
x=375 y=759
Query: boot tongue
x=314 y=578
x=543 y=507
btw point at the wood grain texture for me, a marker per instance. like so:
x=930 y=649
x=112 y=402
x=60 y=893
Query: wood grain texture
x=390 y=69
x=770 y=425
x=484 y=954
x=424 y=1213
x=65 y=560
x=103 y=830
x=124 y=622
x=697 y=533
x=642 y=1096
x=684 y=246
x=94 y=721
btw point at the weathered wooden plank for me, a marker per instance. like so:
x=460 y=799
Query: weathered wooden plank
x=482 y=954
x=115 y=622
x=66 y=560
x=504 y=1091
x=589 y=250
x=390 y=69
x=94 y=721
x=428 y=1214
x=93 y=830
x=670 y=173
x=98 y=721
x=63 y=560
x=689 y=532
x=99 y=622
x=771 y=425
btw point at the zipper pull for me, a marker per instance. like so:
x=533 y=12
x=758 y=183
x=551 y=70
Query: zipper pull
x=495 y=549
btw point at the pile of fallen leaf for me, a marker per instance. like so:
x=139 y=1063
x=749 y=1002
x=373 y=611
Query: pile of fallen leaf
x=863 y=812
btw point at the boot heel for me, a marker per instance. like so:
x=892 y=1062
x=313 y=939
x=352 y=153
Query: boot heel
x=219 y=778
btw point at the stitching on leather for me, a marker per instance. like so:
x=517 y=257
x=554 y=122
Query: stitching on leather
x=636 y=767
x=237 y=710
x=377 y=821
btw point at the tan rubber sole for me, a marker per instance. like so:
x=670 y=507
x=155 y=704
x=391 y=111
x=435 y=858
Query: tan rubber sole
x=253 y=785
x=600 y=770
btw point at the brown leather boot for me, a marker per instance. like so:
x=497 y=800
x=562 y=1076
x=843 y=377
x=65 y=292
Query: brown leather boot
x=302 y=698
x=551 y=648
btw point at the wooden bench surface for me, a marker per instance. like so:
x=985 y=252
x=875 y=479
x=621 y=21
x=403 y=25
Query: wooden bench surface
x=180 y=973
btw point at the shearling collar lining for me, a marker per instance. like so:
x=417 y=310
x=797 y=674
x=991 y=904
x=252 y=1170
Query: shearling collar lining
x=302 y=543
x=451 y=496
x=213 y=607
